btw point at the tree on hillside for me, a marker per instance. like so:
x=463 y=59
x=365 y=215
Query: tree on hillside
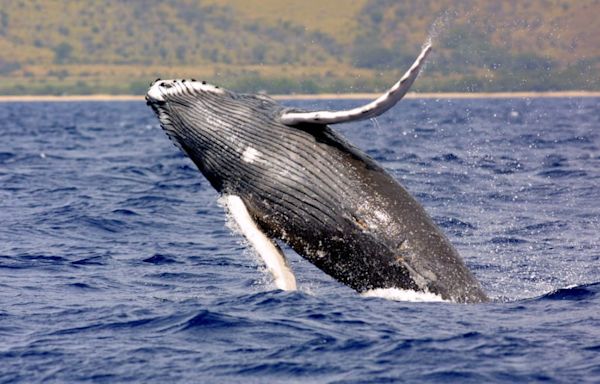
x=62 y=53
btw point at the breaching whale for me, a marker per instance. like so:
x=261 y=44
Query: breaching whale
x=286 y=174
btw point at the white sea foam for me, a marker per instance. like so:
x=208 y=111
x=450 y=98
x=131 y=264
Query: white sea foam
x=397 y=294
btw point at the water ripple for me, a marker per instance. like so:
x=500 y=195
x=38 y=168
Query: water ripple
x=116 y=264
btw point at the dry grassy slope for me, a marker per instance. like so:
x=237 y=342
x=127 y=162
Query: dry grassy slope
x=335 y=18
x=561 y=30
x=119 y=44
x=122 y=31
x=564 y=30
x=171 y=32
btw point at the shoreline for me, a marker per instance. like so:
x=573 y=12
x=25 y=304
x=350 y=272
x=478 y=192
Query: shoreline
x=322 y=96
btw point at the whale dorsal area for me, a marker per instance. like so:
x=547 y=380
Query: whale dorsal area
x=372 y=109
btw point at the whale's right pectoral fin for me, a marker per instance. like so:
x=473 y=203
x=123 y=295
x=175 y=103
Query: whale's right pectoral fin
x=367 y=111
x=269 y=251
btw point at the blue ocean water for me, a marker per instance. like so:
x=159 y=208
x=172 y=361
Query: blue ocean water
x=117 y=265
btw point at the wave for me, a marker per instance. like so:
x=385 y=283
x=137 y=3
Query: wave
x=573 y=293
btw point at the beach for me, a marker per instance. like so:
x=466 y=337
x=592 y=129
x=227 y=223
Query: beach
x=323 y=96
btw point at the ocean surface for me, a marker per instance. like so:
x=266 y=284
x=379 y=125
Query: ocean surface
x=117 y=263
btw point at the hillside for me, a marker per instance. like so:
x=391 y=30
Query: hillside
x=56 y=47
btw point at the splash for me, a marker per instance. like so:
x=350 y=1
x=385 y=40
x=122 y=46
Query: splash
x=397 y=294
x=447 y=19
x=439 y=27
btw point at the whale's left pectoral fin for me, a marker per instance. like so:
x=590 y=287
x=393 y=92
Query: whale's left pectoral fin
x=372 y=109
x=271 y=254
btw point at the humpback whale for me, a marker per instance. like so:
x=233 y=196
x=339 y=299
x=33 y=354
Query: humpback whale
x=286 y=175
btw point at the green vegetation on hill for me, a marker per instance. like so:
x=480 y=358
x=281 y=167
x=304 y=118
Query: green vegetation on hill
x=83 y=47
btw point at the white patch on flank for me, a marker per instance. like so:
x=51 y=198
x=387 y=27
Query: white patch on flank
x=268 y=251
x=371 y=216
x=397 y=294
x=250 y=155
x=382 y=216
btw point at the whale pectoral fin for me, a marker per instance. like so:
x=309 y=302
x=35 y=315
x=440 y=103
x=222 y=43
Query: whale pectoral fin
x=373 y=109
x=270 y=252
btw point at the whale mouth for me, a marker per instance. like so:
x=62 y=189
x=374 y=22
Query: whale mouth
x=162 y=90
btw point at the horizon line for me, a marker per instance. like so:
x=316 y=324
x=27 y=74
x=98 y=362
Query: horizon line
x=323 y=96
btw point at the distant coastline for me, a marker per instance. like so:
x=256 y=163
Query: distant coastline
x=323 y=96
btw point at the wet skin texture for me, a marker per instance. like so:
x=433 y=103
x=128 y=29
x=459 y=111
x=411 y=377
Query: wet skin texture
x=307 y=186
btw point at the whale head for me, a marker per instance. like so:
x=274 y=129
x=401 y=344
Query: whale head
x=207 y=122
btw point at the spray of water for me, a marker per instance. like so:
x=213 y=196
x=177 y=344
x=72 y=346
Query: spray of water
x=397 y=294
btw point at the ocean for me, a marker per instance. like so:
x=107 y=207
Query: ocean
x=117 y=263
